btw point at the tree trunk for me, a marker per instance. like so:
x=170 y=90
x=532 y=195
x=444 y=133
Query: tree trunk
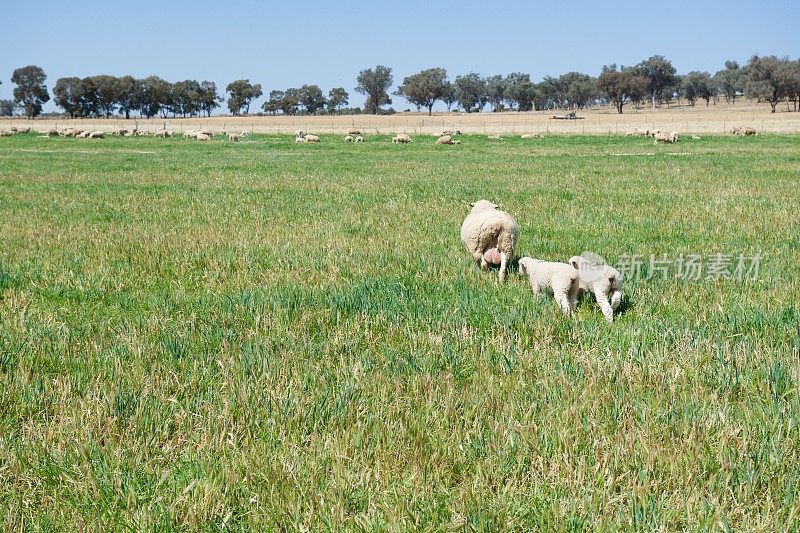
x=430 y=109
x=654 y=100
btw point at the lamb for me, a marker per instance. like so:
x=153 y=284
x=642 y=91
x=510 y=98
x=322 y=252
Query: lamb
x=354 y=132
x=244 y=133
x=637 y=132
x=602 y=280
x=299 y=133
x=313 y=139
x=96 y=135
x=559 y=278
x=203 y=137
x=300 y=140
x=233 y=137
x=455 y=142
x=490 y=235
x=667 y=137
x=189 y=134
x=5 y=133
x=402 y=138
x=531 y=136
x=359 y=139
x=496 y=137
x=445 y=139
x=349 y=138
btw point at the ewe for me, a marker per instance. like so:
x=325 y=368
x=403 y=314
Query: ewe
x=401 y=138
x=490 y=235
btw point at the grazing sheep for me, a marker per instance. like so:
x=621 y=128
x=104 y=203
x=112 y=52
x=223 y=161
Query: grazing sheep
x=456 y=141
x=349 y=138
x=450 y=132
x=359 y=139
x=559 y=278
x=300 y=140
x=638 y=132
x=299 y=133
x=203 y=137
x=190 y=134
x=244 y=133
x=96 y=135
x=5 y=133
x=744 y=130
x=52 y=133
x=402 y=138
x=696 y=137
x=666 y=137
x=14 y=129
x=602 y=280
x=161 y=133
x=531 y=136
x=496 y=137
x=25 y=129
x=313 y=138
x=208 y=132
x=233 y=137
x=445 y=139
x=354 y=132
x=490 y=235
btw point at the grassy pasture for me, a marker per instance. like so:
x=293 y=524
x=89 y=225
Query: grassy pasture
x=278 y=335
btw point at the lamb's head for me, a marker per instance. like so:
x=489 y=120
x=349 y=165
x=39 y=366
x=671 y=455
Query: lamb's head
x=480 y=205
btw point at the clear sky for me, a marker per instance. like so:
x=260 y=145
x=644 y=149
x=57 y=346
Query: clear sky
x=289 y=43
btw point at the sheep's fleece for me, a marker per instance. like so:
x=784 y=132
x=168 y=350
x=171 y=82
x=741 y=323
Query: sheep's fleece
x=485 y=229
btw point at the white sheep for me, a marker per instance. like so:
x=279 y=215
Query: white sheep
x=744 y=130
x=666 y=137
x=24 y=129
x=445 y=139
x=300 y=140
x=208 y=132
x=359 y=139
x=52 y=133
x=602 y=280
x=96 y=135
x=189 y=134
x=354 y=132
x=5 y=133
x=203 y=137
x=313 y=138
x=233 y=137
x=531 y=136
x=495 y=137
x=560 y=279
x=402 y=138
x=490 y=235
x=348 y=138
x=161 y=133
x=456 y=141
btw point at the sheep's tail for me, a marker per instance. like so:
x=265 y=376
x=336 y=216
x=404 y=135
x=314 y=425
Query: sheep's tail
x=507 y=240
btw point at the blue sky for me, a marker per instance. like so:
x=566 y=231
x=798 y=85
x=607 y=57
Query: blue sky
x=288 y=43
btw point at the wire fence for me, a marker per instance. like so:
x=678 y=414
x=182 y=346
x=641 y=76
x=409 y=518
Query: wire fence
x=592 y=123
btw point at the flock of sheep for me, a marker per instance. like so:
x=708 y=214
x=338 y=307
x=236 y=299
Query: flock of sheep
x=490 y=236
x=672 y=136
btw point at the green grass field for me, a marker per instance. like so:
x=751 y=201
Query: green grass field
x=270 y=335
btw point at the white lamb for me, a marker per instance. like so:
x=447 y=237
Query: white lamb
x=401 y=138
x=560 y=279
x=490 y=235
x=359 y=139
x=602 y=280
x=349 y=138
x=233 y=137
x=313 y=139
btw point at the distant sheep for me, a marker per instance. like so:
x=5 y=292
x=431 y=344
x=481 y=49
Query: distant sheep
x=190 y=134
x=490 y=235
x=52 y=133
x=495 y=137
x=161 y=133
x=300 y=140
x=354 y=132
x=531 y=136
x=456 y=141
x=299 y=133
x=96 y=135
x=313 y=138
x=359 y=139
x=349 y=138
x=208 y=132
x=744 y=130
x=5 y=133
x=560 y=279
x=203 y=137
x=445 y=139
x=450 y=132
x=233 y=137
x=603 y=281
x=401 y=138
x=665 y=137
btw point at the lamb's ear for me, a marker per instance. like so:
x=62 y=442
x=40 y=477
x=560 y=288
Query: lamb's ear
x=521 y=265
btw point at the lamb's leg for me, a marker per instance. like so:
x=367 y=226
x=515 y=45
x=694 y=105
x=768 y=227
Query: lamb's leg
x=616 y=299
x=605 y=307
x=562 y=299
x=503 y=264
x=572 y=294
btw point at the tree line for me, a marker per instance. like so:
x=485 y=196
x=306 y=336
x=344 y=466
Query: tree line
x=653 y=80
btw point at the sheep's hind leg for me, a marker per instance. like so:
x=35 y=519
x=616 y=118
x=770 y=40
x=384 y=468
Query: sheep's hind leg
x=605 y=307
x=503 y=265
x=563 y=301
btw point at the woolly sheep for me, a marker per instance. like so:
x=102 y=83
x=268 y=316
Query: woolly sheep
x=14 y=129
x=313 y=139
x=25 y=129
x=189 y=134
x=244 y=133
x=354 y=132
x=349 y=138
x=208 y=132
x=5 y=133
x=52 y=133
x=450 y=132
x=161 y=133
x=496 y=137
x=455 y=142
x=83 y=135
x=445 y=139
x=203 y=137
x=96 y=135
x=233 y=137
x=744 y=130
x=401 y=138
x=531 y=136
x=300 y=140
x=667 y=137
x=359 y=139
x=299 y=133
x=490 y=235
x=559 y=278
x=603 y=281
